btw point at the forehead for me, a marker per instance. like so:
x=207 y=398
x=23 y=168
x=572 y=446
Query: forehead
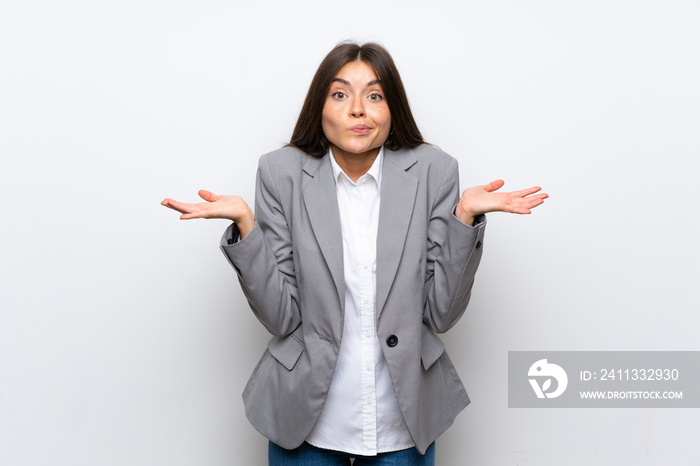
x=357 y=72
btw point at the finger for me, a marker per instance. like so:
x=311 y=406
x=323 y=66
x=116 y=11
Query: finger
x=207 y=195
x=527 y=201
x=494 y=185
x=530 y=204
x=536 y=198
x=525 y=192
x=175 y=205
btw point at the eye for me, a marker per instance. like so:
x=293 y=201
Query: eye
x=339 y=95
x=375 y=97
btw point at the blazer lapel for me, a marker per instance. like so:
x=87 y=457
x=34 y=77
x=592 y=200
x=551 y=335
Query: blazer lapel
x=398 y=196
x=321 y=201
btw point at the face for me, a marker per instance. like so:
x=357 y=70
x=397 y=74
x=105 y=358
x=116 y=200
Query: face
x=356 y=118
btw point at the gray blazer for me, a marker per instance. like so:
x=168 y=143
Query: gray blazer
x=290 y=267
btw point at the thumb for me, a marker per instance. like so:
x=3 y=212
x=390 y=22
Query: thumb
x=494 y=185
x=208 y=196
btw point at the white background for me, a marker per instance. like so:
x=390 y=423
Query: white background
x=124 y=336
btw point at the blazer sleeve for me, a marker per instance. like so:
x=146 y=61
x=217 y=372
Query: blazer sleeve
x=453 y=254
x=263 y=260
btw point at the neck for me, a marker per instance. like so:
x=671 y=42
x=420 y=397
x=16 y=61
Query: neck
x=355 y=165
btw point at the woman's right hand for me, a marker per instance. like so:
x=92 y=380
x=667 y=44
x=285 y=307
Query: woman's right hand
x=228 y=207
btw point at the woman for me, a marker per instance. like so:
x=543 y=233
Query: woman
x=359 y=252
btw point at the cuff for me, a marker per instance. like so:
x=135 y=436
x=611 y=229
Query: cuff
x=232 y=234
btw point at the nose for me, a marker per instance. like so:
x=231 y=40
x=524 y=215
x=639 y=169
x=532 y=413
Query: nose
x=357 y=107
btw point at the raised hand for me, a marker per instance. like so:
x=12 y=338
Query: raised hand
x=483 y=199
x=228 y=207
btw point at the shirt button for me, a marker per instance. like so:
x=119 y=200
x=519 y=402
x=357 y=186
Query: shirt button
x=392 y=340
x=368 y=368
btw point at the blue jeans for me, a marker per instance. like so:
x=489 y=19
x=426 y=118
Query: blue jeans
x=309 y=455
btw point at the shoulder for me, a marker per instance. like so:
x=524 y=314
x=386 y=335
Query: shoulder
x=282 y=165
x=437 y=171
x=430 y=155
x=284 y=158
x=429 y=163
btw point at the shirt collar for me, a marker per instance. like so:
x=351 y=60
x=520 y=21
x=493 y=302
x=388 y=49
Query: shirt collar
x=375 y=171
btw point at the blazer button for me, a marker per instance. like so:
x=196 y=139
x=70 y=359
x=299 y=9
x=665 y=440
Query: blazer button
x=478 y=245
x=392 y=340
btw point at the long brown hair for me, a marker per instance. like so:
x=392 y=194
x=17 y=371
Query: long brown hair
x=308 y=135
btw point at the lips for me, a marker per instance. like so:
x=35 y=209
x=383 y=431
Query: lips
x=360 y=129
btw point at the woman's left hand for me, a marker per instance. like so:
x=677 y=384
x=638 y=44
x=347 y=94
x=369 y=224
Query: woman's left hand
x=483 y=199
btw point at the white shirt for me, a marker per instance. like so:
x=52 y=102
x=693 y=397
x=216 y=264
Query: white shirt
x=361 y=415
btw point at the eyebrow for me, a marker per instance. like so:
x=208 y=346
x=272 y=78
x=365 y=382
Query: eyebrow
x=347 y=83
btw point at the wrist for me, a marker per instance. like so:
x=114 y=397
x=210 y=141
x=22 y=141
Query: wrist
x=463 y=216
x=246 y=223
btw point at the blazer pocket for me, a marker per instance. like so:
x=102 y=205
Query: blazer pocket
x=431 y=348
x=287 y=350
